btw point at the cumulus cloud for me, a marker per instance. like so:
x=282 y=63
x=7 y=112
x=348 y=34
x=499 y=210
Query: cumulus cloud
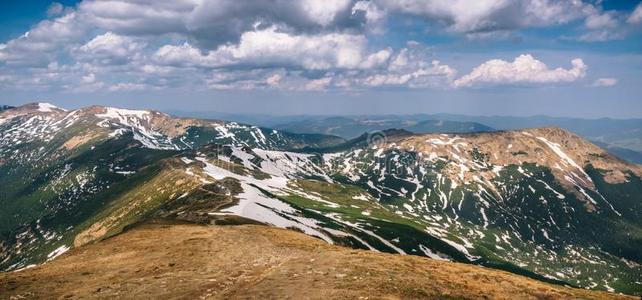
x=110 y=48
x=211 y=23
x=525 y=69
x=410 y=67
x=605 y=82
x=636 y=15
x=269 y=47
x=306 y=44
x=602 y=26
x=41 y=45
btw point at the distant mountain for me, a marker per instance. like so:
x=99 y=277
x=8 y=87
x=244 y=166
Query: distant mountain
x=351 y=127
x=264 y=120
x=5 y=107
x=544 y=203
x=623 y=133
x=621 y=137
x=626 y=154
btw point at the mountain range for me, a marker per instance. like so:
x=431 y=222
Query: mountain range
x=542 y=202
x=620 y=137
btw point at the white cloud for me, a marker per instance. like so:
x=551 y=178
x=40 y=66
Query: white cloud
x=323 y=12
x=276 y=44
x=318 y=84
x=601 y=36
x=599 y=21
x=373 y=13
x=636 y=15
x=110 y=48
x=270 y=47
x=40 y=45
x=605 y=82
x=525 y=69
x=273 y=80
x=601 y=26
x=410 y=67
x=127 y=86
x=89 y=78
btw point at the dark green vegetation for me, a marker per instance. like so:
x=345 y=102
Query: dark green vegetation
x=63 y=172
x=517 y=201
x=253 y=136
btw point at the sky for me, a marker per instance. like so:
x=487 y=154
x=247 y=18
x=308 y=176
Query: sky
x=487 y=57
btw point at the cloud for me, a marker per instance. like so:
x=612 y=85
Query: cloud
x=601 y=36
x=525 y=69
x=490 y=15
x=410 y=67
x=601 y=26
x=318 y=84
x=605 y=82
x=41 y=45
x=278 y=44
x=599 y=21
x=324 y=12
x=270 y=48
x=636 y=15
x=110 y=48
x=127 y=86
x=211 y=23
x=55 y=9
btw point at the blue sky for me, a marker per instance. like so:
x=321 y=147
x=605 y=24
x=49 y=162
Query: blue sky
x=490 y=57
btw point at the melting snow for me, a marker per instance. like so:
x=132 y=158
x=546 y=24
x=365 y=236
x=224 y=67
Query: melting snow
x=61 y=250
x=46 y=107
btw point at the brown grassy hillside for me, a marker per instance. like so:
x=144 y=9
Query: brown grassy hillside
x=191 y=262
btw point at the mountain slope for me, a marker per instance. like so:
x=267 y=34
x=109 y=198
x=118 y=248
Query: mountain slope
x=543 y=203
x=223 y=262
x=620 y=133
x=63 y=171
x=551 y=206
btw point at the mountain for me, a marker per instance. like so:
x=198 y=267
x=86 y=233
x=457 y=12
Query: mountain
x=623 y=133
x=5 y=107
x=626 y=154
x=59 y=169
x=621 y=137
x=240 y=262
x=544 y=203
x=352 y=127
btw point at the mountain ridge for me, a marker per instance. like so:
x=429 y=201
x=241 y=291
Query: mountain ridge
x=512 y=200
x=307 y=267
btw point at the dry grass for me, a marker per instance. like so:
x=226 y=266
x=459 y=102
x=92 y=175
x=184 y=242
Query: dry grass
x=249 y=261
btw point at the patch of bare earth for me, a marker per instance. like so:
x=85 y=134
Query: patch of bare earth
x=159 y=261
